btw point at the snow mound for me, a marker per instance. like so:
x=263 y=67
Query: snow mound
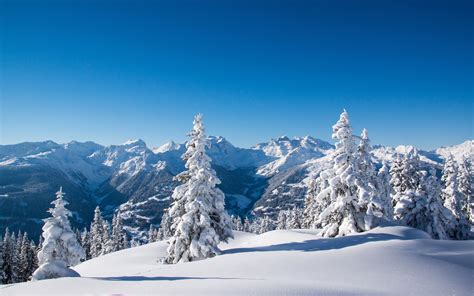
x=389 y=260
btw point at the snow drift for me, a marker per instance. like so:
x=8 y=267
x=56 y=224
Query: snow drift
x=384 y=261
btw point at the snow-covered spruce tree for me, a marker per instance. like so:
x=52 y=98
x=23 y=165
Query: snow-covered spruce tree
x=367 y=183
x=453 y=199
x=406 y=181
x=440 y=222
x=118 y=239
x=204 y=222
x=2 y=273
x=346 y=212
x=236 y=223
x=311 y=206
x=10 y=258
x=97 y=234
x=384 y=189
x=465 y=189
x=60 y=248
x=281 y=222
x=165 y=230
x=86 y=243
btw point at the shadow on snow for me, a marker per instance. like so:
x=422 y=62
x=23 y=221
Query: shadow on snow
x=320 y=244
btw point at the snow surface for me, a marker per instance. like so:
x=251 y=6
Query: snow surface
x=383 y=261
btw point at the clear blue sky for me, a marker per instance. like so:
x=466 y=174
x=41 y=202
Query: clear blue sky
x=107 y=72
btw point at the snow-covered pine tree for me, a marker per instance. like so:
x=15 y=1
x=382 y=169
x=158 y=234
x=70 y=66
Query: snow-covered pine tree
x=370 y=196
x=266 y=224
x=465 y=189
x=10 y=258
x=106 y=242
x=440 y=221
x=118 y=239
x=24 y=264
x=205 y=222
x=237 y=223
x=406 y=183
x=282 y=218
x=384 y=189
x=294 y=218
x=60 y=248
x=97 y=234
x=165 y=230
x=152 y=234
x=346 y=211
x=247 y=223
x=311 y=209
x=85 y=242
x=453 y=199
x=2 y=273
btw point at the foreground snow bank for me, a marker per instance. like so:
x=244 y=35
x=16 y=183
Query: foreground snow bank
x=384 y=261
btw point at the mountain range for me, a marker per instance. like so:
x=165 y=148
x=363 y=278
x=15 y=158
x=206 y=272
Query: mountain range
x=137 y=181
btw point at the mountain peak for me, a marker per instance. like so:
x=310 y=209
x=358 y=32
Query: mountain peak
x=135 y=142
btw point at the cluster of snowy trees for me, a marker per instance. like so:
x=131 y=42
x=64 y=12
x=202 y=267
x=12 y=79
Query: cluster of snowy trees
x=350 y=195
x=17 y=257
x=285 y=219
x=103 y=238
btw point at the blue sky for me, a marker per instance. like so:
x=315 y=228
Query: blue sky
x=107 y=72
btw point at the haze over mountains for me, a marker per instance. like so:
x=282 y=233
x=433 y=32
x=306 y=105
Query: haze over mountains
x=138 y=181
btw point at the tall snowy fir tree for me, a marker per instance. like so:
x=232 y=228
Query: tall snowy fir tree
x=453 y=198
x=97 y=237
x=440 y=224
x=385 y=190
x=369 y=194
x=311 y=208
x=10 y=258
x=165 y=230
x=118 y=239
x=2 y=273
x=347 y=204
x=60 y=249
x=204 y=222
x=465 y=190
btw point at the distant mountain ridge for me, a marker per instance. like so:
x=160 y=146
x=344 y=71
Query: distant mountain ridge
x=138 y=181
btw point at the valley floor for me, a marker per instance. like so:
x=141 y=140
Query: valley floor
x=384 y=261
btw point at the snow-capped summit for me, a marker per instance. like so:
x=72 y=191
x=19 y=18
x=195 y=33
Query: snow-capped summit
x=291 y=152
x=462 y=151
x=169 y=146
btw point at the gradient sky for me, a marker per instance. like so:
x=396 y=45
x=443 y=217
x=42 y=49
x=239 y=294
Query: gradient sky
x=107 y=72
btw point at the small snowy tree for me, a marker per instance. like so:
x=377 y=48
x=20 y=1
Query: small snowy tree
x=237 y=223
x=281 y=222
x=60 y=248
x=97 y=234
x=384 y=189
x=311 y=206
x=204 y=223
x=9 y=258
x=85 y=243
x=118 y=239
x=165 y=231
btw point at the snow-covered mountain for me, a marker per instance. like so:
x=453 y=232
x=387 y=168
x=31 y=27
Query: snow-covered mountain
x=382 y=261
x=138 y=181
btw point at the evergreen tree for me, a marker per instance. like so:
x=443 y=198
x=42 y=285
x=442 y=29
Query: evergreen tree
x=384 y=189
x=367 y=182
x=85 y=241
x=465 y=189
x=246 y=226
x=2 y=273
x=406 y=182
x=237 y=223
x=60 y=249
x=118 y=239
x=282 y=220
x=10 y=259
x=97 y=234
x=311 y=206
x=453 y=199
x=205 y=222
x=165 y=230
x=24 y=260
x=343 y=192
x=440 y=223
x=294 y=218
x=106 y=241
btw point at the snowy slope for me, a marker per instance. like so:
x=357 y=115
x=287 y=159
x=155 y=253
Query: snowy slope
x=384 y=261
